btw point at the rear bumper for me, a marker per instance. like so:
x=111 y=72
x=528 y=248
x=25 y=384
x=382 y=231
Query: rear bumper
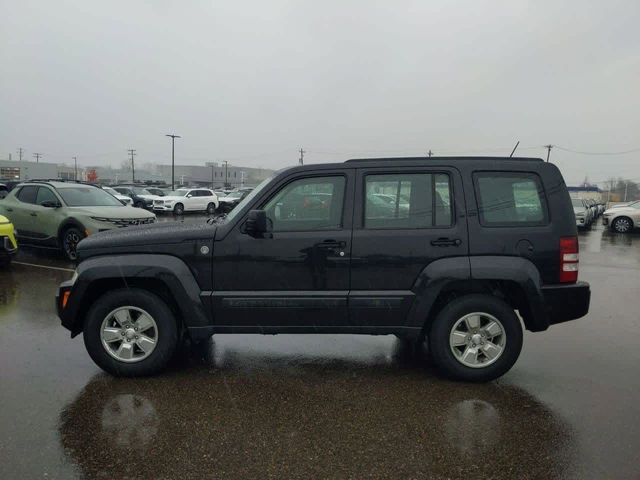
x=8 y=245
x=566 y=302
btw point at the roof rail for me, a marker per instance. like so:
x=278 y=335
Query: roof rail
x=432 y=159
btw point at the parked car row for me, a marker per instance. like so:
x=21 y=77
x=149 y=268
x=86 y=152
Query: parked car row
x=586 y=211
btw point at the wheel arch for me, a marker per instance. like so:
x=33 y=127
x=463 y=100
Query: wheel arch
x=513 y=279
x=165 y=276
x=68 y=223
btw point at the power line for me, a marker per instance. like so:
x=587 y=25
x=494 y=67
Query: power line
x=132 y=152
x=623 y=152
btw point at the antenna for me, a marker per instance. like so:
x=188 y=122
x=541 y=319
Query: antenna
x=514 y=149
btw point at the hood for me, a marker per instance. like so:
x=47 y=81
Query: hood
x=112 y=212
x=579 y=210
x=149 y=197
x=156 y=237
x=623 y=209
x=4 y=220
x=171 y=198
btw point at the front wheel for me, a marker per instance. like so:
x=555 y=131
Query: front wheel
x=130 y=332
x=475 y=338
x=70 y=239
x=622 y=225
x=178 y=209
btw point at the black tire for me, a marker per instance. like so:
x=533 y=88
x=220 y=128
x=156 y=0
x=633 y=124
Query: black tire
x=178 y=209
x=441 y=351
x=167 y=335
x=69 y=240
x=211 y=208
x=622 y=225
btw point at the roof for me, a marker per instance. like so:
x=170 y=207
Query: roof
x=440 y=159
x=58 y=183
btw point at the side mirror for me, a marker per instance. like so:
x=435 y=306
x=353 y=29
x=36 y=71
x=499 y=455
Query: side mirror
x=257 y=224
x=50 y=204
x=189 y=196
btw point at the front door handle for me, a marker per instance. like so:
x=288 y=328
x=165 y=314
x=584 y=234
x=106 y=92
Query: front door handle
x=33 y=214
x=9 y=209
x=446 y=242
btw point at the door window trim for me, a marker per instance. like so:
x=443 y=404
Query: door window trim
x=433 y=173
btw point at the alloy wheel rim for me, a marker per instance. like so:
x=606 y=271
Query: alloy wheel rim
x=622 y=225
x=71 y=240
x=129 y=334
x=477 y=340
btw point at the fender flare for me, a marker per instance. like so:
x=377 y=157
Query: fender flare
x=172 y=272
x=442 y=273
x=69 y=222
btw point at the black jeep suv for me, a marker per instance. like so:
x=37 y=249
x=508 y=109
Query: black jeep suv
x=436 y=250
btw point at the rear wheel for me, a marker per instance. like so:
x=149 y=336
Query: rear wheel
x=475 y=338
x=130 y=332
x=211 y=208
x=70 y=239
x=178 y=209
x=622 y=225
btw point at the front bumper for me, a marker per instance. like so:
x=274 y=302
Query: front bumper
x=163 y=208
x=581 y=221
x=566 y=302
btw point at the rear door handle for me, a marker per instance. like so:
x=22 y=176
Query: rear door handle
x=446 y=242
x=33 y=214
x=9 y=209
x=331 y=244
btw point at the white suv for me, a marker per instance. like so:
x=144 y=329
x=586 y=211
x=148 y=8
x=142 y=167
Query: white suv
x=187 y=199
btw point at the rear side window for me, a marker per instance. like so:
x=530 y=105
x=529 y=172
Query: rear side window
x=407 y=200
x=28 y=194
x=507 y=199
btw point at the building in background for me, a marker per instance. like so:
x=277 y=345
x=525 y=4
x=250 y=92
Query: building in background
x=12 y=170
x=586 y=192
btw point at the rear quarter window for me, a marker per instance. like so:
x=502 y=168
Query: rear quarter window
x=510 y=199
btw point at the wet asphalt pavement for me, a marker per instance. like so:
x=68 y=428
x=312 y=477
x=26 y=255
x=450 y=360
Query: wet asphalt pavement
x=324 y=406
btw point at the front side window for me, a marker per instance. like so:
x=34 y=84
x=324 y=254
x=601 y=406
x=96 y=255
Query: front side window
x=506 y=199
x=308 y=204
x=407 y=200
x=45 y=195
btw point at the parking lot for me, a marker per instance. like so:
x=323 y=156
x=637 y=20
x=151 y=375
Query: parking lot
x=333 y=406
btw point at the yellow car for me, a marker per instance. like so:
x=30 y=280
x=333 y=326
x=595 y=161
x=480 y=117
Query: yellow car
x=8 y=244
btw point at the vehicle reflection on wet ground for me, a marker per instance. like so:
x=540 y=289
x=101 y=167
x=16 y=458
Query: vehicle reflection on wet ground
x=326 y=405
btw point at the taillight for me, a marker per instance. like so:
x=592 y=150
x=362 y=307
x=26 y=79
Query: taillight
x=568 y=259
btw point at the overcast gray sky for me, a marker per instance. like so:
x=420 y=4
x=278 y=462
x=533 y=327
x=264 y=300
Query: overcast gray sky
x=251 y=82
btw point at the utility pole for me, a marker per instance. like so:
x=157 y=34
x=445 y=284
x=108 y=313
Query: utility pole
x=173 y=158
x=132 y=152
x=626 y=186
x=212 y=171
x=37 y=155
x=302 y=152
x=75 y=168
x=429 y=153
x=548 y=147
x=20 y=151
x=226 y=174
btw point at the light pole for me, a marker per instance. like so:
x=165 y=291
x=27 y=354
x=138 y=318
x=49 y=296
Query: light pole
x=173 y=159
x=75 y=168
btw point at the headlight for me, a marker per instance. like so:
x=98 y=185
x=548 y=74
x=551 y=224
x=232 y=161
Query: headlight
x=101 y=219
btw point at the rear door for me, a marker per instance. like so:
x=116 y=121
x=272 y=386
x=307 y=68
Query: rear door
x=21 y=212
x=405 y=218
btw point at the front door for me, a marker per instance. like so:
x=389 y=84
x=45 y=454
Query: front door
x=404 y=219
x=298 y=278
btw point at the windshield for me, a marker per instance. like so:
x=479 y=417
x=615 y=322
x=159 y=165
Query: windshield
x=577 y=202
x=140 y=191
x=178 y=193
x=248 y=198
x=110 y=190
x=85 y=196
